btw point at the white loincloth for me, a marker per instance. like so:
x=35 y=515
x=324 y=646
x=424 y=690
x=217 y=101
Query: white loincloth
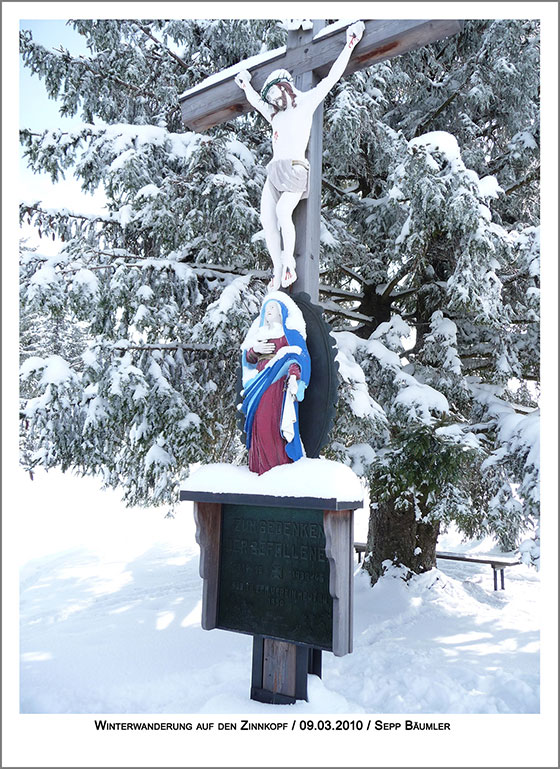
x=289 y=176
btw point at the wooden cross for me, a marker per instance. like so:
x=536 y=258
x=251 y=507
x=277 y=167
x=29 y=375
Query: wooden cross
x=309 y=59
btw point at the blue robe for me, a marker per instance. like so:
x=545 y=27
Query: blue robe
x=278 y=368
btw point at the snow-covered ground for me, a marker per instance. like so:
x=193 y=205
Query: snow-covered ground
x=110 y=623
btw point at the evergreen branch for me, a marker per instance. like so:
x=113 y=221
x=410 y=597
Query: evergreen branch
x=171 y=53
x=115 y=256
x=496 y=164
x=402 y=294
x=164 y=346
x=519 y=408
x=397 y=279
x=67 y=214
x=487 y=361
x=534 y=176
x=72 y=270
x=27 y=132
x=516 y=275
x=352 y=274
x=444 y=48
x=481 y=358
x=410 y=351
x=339 y=292
x=468 y=70
x=338 y=190
x=421 y=127
x=335 y=309
x=223 y=270
x=137 y=90
x=200 y=269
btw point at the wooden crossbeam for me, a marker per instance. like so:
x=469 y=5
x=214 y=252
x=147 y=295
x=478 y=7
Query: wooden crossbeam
x=222 y=100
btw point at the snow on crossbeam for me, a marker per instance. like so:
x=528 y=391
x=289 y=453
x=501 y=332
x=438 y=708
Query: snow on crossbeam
x=310 y=483
x=218 y=99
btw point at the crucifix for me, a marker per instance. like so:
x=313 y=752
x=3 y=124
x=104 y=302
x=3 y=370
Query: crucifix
x=309 y=55
x=311 y=58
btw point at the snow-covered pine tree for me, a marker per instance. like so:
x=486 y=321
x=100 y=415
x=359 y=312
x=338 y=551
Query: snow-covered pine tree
x=430 y=272
x=435 y=211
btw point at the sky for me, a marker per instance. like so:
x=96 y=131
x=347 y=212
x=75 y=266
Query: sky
x=38 y=112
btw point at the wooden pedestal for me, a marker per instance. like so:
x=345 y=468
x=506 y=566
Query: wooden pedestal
x=280 y=569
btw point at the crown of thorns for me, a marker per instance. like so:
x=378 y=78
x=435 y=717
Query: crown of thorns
x=276 y=80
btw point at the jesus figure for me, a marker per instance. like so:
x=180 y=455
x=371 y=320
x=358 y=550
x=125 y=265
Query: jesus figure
x=290 y=113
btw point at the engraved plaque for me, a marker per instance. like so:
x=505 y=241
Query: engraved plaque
x=274 y=574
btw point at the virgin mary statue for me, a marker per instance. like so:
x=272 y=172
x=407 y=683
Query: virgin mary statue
x=276 y=371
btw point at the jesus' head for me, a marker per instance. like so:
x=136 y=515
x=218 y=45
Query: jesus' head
x=278 y=90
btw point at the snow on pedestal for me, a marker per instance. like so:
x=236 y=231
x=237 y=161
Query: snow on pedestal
x=320 y=479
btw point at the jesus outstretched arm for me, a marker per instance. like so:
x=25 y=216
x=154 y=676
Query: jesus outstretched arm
x=353 y=36
x=243 y=80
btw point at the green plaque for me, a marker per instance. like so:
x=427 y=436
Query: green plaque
x=274 y=574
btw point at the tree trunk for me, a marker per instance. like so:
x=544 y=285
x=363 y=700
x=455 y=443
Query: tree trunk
x=396 y=536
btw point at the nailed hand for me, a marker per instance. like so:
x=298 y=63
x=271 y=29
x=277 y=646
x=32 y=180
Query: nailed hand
x=243 y=78
x=354 y=33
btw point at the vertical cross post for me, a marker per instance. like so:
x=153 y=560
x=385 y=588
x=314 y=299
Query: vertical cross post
x=278 y=669
x=307 y=215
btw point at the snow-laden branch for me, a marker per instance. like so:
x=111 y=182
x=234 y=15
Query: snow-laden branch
x=64 y=213
x=532 y=177
x=104 y=75
x=335 y=309
x=340 y=292
x=121 y=347
x=352 y=273
x=159 y=43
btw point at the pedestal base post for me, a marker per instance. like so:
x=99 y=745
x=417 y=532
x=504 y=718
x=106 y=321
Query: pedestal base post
x=280 y=670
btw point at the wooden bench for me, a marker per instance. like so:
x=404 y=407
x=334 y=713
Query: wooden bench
x=498 y=563
x=359 y=547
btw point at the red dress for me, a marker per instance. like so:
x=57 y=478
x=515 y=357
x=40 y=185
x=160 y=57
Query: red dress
x=267 y=447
